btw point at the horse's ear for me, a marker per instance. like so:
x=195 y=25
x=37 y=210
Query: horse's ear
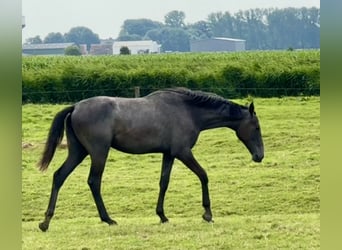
x=251 y=109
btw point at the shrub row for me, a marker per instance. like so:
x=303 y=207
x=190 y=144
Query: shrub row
x=264 y=74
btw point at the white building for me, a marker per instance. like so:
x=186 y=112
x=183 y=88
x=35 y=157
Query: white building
x=137 y=47
x=216 y=44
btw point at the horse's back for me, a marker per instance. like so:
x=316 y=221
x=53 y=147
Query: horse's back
x=145 y=125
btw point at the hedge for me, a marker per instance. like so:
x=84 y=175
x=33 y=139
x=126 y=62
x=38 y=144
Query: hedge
x=263 y=73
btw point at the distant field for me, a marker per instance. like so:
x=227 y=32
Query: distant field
x=272 y=205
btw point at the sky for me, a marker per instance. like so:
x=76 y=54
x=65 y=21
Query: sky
x=105 y=17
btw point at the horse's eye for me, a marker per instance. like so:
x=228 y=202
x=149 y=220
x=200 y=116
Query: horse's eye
x=257 y=128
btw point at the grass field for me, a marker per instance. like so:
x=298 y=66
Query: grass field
x=272 y=205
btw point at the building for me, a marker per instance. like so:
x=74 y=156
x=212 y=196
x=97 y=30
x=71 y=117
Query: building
x=105 y=47
x=45 y=48
x=52 y=49
x=101 y=49
x=216 y=44
x=137 y=47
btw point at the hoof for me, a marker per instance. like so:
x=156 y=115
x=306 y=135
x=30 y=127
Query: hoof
x=207 y=218
x=164 y=221
x=112 y=222
x=43 y=226
x=163 y=218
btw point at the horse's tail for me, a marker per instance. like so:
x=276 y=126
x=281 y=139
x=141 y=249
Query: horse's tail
x=55 y=137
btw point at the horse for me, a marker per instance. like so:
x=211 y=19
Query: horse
x=166 y=121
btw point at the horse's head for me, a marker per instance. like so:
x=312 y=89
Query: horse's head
x=249 y=133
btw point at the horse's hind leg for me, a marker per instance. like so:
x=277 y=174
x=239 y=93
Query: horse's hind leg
x=98 y=160
x=58 y=179
x=163 y=184
x=76 y=154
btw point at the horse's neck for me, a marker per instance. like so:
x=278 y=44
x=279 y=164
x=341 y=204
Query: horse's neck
x=209 y=119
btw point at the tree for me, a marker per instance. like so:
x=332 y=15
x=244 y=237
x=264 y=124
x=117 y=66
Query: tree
x=253 y=28
x=138 y=27
x=171 y=39
x=261 y=28
x=34 y=40
x=282 y=28
x=54 y=38
x=129 y=38
x=154 y=35
x=124 y=50
x=269 y=28
x=82 y=35
x=221 y=24
x=72 y=50
x=175 y=19
x=199 y=30
x=310 y=27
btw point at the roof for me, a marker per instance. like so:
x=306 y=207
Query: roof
x=134 y=43
x=229 y=39
x=220 y=39
x=47 y=46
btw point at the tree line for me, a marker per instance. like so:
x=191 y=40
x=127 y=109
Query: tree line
x=78 y=35
x=263 y=29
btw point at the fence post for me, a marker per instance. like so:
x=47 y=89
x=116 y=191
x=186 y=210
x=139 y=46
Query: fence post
x=136 y=91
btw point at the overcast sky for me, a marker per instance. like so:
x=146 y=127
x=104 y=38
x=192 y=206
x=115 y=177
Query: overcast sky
x=105 y=17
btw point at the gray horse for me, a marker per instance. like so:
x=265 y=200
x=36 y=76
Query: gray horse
x=167 y=121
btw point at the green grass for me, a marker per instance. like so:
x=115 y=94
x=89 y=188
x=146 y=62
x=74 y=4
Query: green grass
x=272 y=205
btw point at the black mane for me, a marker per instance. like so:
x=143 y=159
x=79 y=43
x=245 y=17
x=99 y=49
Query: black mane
x=209 y=100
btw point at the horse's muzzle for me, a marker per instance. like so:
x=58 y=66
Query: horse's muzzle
x=257 y=158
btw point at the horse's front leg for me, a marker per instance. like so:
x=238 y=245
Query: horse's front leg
x=188 y=159
x=94 y=182
x=163 y=184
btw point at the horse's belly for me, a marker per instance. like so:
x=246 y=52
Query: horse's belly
x=138 y=145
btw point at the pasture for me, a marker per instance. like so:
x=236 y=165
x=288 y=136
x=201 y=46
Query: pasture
x=272 y=205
